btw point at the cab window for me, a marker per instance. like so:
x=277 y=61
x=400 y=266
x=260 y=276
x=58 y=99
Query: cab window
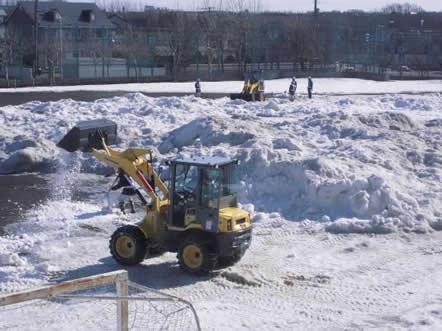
x=211 y=186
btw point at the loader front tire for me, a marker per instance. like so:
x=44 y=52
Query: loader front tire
x=194 y=256
x=128 y=245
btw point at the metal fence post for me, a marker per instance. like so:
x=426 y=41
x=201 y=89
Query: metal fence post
x=122 y=306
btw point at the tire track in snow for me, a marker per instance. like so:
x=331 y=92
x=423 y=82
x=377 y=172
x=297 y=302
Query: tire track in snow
x=324 y=295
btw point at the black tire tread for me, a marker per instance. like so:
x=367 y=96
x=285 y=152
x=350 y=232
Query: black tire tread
x=140 y=244
x=209 y=259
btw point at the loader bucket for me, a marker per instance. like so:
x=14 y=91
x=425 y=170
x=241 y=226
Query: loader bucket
x=242 y=96
x=88 y=134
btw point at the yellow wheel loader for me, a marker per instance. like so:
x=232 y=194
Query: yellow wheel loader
x=253 y=89
x=196 y=215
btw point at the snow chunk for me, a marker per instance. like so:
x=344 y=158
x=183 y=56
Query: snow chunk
x=436 y=224
x=210 y=131
x=393 y=121
x=36 y=158
x=285 y=143
x=18 y=143
x=12 y=259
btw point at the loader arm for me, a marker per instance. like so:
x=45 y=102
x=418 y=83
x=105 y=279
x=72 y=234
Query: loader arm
x=133 y=163
x=246 y=87
x=250 y=88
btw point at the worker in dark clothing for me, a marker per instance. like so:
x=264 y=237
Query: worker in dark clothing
x=197 y=88
x=310 y=87
x=292 y=89
x=124 y=182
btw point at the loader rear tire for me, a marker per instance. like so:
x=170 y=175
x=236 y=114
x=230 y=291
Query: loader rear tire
x=194 y=256
x=128 y=245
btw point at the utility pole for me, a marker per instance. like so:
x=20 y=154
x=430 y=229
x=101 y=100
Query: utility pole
x=61 y=47
x=35 y=37
x=316 y=7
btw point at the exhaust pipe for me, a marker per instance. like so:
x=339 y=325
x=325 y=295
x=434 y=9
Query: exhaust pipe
x=86 y=135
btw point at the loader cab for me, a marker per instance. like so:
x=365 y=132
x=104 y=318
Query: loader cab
x=199 y=188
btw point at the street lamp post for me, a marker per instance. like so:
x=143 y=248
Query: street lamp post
x=35 y=37
x=367 y=40
x=61 y=47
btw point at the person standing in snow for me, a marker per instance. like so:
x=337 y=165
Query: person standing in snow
x=197 y=88
x=126 y=186
x=310 y=87
x=292 y=89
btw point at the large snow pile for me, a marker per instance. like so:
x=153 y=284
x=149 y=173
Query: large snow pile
x=363 y=164
x=311 y=170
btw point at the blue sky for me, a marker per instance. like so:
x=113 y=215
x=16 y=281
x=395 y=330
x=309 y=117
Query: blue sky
x=302 y=5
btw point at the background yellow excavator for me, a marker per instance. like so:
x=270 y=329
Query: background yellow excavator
x=253 y=89
x=196 y=215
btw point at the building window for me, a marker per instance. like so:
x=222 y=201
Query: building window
x=52 y=16
x=87 y=16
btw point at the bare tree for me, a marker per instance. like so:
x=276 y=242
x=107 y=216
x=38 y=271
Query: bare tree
x=243 y=28
x=133 y=46
x=119 y=6
x=214 y=25
x=6 y=46
x=50 y=51
x=419 y=63
x=180 y=40
x=404 y=8
x=15 y=49
x=253 y=6
x=300 y=36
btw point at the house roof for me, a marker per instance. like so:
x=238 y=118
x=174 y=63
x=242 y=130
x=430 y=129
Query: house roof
x=157 y=19
x=71 y=13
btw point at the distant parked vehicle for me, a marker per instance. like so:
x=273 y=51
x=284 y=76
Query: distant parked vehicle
x=405 y=68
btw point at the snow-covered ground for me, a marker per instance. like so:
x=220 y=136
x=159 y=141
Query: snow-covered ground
x=345 y=193
x=322 y=86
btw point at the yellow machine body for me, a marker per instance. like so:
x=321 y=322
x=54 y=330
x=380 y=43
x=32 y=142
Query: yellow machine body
x=154 y=225
x=203 y=225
